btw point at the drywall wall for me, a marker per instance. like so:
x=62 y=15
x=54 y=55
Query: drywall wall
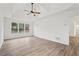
x=1 y=31
x=57 y=27
x=7 y=28
x=54 y=28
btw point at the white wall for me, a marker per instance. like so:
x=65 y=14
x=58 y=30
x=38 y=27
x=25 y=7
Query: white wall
x=7 y=29
x=71 y=28
x=1 y=31
x=54 y=28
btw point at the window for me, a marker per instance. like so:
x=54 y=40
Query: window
x=14 y=27
x=21 y=27
x=26 y=27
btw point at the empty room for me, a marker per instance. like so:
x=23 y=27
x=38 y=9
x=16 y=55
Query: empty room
x=39 y=29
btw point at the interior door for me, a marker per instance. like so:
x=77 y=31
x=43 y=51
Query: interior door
x=1 y=32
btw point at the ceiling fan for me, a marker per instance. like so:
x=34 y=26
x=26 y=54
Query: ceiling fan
x=32 y=10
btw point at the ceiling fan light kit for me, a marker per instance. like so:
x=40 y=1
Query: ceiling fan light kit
x=32 y=10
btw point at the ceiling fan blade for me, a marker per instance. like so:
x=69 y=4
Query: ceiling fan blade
x=26 y=10
x=37 y=12
x=29 y=13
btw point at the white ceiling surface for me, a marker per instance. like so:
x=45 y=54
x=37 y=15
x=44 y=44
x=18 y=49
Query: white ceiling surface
x=16 y=10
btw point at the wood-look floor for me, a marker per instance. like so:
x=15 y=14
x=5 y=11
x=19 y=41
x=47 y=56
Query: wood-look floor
x=32 y=46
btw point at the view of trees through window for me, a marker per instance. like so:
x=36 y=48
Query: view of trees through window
x=19 y=27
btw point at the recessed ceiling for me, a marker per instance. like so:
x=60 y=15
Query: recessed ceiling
x=16 y=10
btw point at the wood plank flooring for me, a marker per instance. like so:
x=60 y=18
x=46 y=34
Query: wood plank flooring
x=32 y=46
x=74 y=41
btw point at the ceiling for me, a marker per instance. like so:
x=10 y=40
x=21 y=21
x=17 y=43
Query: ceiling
x=16 y=10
